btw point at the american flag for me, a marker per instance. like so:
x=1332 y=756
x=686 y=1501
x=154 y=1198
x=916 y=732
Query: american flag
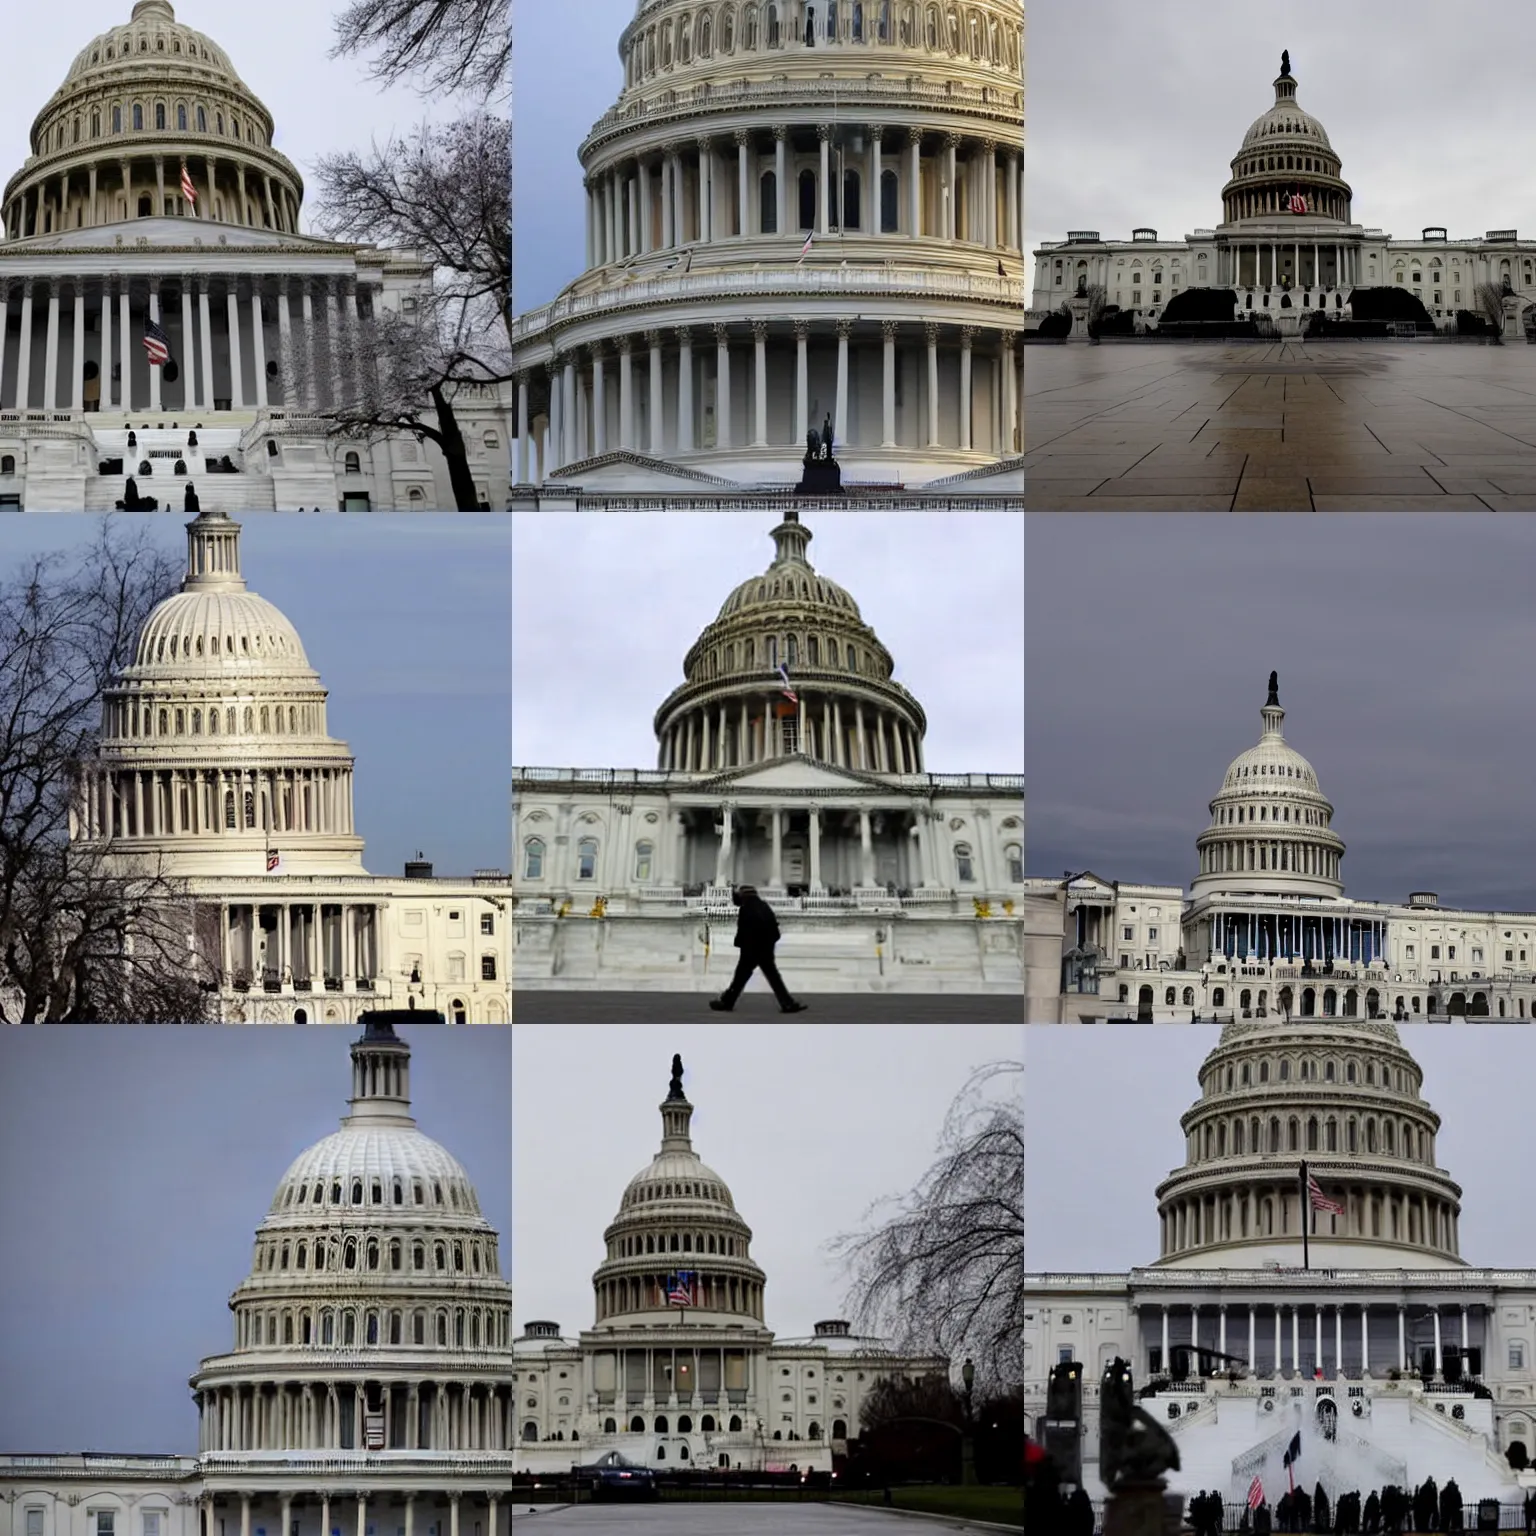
x=1296 y=204
x=188 y=191
x=1255 y=1493
x=789 y=693
x=274 y=860
x=680 y=1289
x=805 y=250
x=1320 y=1201
x=156 y=343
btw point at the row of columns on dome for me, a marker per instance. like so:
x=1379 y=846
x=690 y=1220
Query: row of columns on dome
x=1417 y=1220
x=83 y=199
x=699 y=740
x=364 y=1413
x=677 y=1376
x=167 y=802
x=692 y=194
x=716 y=1293
x=229 y=335
x=1307 y=937
x=303 y=945
x=972 y=403
x=460 y=1512
x=1374 y=1320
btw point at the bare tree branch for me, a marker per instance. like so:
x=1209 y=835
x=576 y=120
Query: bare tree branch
x=446 y=45
x=945 y=1271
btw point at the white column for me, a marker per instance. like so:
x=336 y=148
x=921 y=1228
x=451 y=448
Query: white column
x=1295 y=1341
x=258 y=343
x=876 y=171
x=77 y=357
x=780 y=191
x=989 y=193
x=744 y=219
x=188 y=352
x=706 y=191
x=24 y=352
x=914 y=182
x=1466 y=1341
x=155 y=379
x=1252 y=1352
x=572 y=449
x=643 y=176
x=626 y=395
x=285 y=345
x=599 y=401
x=106 y=344
x=653 y=397
x=951 y=147
x=888 y=384
x=670 y=222
x=555 y=432
x=1338 y=1341
x=1317 y=1317
x=802 y=382
x=125 y=345
x=1439 y=1369
x=632 y=240
x=1166 y=1366
x=760 y=392
x=205 y=322
x=966 y=334
x=722 y=387
x=1010 y=398
x=684 y=390
x=1402 y=1348
x=931 y=332
x=1015 y=238
x=236 y=367
x=840 y=422
x=1365 y=1340
x=823 y=190
x=51 y=354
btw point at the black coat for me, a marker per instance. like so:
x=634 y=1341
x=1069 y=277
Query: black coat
x=756 y=926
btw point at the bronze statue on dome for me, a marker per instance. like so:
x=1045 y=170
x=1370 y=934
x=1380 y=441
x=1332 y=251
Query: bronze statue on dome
x=1285 y=61
x=1274 y=690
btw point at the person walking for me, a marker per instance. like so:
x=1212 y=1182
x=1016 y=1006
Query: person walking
x=757 y=931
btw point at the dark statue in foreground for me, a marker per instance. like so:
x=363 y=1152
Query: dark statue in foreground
x=1133 y=1447
x=820 y=474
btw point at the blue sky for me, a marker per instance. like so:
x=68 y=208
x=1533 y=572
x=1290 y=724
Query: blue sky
x=406 y=618
x=136 y=1163
x=564 y=77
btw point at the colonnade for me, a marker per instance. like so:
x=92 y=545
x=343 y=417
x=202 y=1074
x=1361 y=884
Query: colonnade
x=723 y=187
x=1220 y=853
x=1341 y=1361
x=1231 y=263
x=647 y=1292
x=313 y=945
x=1270 y=1208
x=228 y=353
x=80 y=197
x=170 y=802
x=212 y=1525
x=415 y=1413
x=738 y=732
x=1301 y=936
x=693 y=392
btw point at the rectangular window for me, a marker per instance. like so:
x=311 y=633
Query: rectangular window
x=1450 y=952
x=104 y=1522
x=1129 y=933
x=487 y=923
x=1516 y=1363
x=1410 y=951
x=487 y=967
x=151 y=1522
x=1434 y=951
x=1064 y=1354
x=1151 y=935
x=34 y=1522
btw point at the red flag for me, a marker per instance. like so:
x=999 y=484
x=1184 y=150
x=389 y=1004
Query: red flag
x=188 y=191
x=1255 y=1493
x=1320 y=1201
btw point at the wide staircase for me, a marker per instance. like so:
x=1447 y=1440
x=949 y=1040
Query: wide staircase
x=162 y=448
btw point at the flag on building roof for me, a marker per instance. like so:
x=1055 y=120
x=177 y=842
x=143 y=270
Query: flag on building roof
x=188 y=191
x=1255 y=1493
x=680 y=1289
x=789 y=693
x=156 y=343
x=1320 y=1201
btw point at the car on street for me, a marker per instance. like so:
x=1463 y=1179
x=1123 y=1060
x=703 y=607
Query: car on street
x=615 y=1476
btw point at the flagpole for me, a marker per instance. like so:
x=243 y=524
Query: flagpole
x=1306 y=1211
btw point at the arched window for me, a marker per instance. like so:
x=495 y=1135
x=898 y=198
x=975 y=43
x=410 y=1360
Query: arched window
x=7 y=464
x=773 y=25
x=352 y=465
x=181 y=116
x=533 y=859
x=117 y=119
x=586 y=858
x=138 y=116
x=1013 y=854
x=643 y=853
x=964 y=870
x=202 y=120
x=160 y=115
x=1312 y=1133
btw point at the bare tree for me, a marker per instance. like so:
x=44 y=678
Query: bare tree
x=446 y=45
x=945 y=1271
x=83 y=936
x=1490 y=305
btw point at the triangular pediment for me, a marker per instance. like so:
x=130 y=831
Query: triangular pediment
x=626 y=470
x=795 y=773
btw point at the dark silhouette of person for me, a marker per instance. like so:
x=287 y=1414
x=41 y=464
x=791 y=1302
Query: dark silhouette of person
x=190 y=503
x=757 y=931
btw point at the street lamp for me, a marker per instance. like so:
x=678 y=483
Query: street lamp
x=967 y=1448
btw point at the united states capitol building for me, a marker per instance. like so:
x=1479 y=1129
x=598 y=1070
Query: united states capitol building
x=98 y=238
x=703 y=1385
x=885 y=877
x=704 y=339
x=1266 y=928
x=1283 y=264
x=369 y=1387
x=1391 y=1356
x=215 y=772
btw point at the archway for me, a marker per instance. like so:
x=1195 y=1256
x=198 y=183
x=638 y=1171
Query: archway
x=1144 y=1005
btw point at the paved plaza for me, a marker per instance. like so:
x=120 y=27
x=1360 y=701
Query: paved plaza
x=730 y=1519
x=1280 y=426
x=538 y=1007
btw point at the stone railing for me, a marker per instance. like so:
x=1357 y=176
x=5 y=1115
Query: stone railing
x=631 y=777
x=757 y=281
x=886 y=498
x=88 y=1464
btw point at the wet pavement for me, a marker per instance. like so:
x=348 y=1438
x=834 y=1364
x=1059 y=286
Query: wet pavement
x=728 y=1519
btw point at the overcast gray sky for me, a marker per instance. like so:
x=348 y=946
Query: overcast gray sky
x=605 y=607
x=1101 y=1116
x=1136 y=110
x=1402 y=642
x=406 y=620
x=564 y=77
x=808 y=1125
x=279 y=49
x=136 y=1163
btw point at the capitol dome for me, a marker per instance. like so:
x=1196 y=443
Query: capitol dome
x=886 y=133
x=1346 y=1097
x=732 y=709
x=214 y=746
x=1271 y=826
x=139 y=99
x=676 y=1215
x=1286 y=154
x=374 y=1316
